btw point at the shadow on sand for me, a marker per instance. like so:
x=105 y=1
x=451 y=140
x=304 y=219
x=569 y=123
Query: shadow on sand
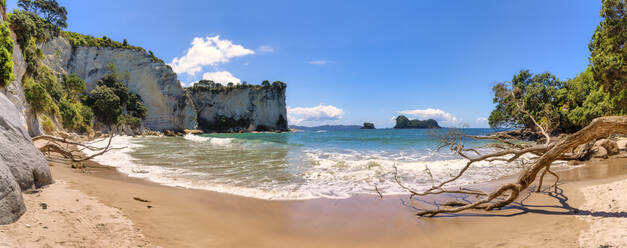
x=562 y=207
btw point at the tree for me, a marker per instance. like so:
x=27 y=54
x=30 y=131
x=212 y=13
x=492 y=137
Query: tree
x=49 y=10
x=136 y=106
x=105 y=104
x=608 y=52
x=265 y=84
x=536 y=92
x=117 y=86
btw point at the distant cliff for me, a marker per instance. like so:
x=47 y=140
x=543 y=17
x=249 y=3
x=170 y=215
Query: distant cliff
x=167 y=104
x=240 y=107
x=404 y=122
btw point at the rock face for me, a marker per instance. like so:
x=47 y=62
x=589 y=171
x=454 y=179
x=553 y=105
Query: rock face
x=239 y=109
x=15 y=93
x=169 y=108
x=22 y=166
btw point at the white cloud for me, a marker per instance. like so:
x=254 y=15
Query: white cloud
x=317 y=113
x=430 y=113
x=319 y=62
x=222 y=77
x=482 y=119
x=207 y=51
x=265 y=49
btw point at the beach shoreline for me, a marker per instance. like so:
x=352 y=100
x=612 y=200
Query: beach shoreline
x=179 y=217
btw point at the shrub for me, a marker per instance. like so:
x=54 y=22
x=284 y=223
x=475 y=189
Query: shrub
x=86 y=115
x=6 y=56
x=81 y=40
x=49 y=81
x=37 y=96
x=47 y=124
x=32 y=56
x=70 y=113
x=28 y=25
x=73 y=85
x=132 y=121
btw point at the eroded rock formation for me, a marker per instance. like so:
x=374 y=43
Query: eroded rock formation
x=22 y=166
x=240 y=109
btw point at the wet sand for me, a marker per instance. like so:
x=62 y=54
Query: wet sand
x=178 y=217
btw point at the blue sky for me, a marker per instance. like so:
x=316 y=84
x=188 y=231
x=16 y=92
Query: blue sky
x=346 y=62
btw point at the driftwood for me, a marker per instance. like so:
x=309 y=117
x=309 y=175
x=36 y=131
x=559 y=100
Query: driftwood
x=545 y=153
x=71 y=149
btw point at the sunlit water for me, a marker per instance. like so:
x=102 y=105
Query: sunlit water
x=298 y=165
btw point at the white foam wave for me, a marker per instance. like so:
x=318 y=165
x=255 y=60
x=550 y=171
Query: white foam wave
x=334 y=175
x=212 y=140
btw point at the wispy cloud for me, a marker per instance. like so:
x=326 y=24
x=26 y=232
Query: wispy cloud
x=431 y=113
x=318 y=113
x=319 y=62
x=265 y=49
x=208 y=51
x=482 y=119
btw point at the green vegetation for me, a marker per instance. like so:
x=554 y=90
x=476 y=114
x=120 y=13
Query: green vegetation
x=27 y=25
x=608 y=53
x=208 y=85
x=132 y=121
x=6 y=56
x=73 y=85
x=37 y=96
x=404 y=122
x=112 y=103
x=81 y=40
x=567 y=106
x=50 y=10
x=105 y=104
x=47 y=124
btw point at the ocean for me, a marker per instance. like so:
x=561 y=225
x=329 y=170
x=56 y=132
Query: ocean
x=300 y=165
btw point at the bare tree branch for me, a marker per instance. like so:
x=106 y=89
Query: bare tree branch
x=547 y=153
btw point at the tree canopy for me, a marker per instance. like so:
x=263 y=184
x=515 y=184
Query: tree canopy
x=49 y=10
x=608 y=52
x=567 y=106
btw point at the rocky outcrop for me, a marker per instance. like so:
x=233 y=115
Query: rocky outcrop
x=236 y=109
x=169 y=108
x=22 y=166
x=368 y=125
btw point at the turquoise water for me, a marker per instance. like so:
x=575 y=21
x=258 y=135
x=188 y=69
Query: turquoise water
x=298 y=165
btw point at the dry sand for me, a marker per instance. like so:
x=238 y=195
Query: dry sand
x=608 y=228
x=180 y=217
x=58 y=216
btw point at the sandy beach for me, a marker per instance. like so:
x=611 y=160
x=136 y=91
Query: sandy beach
x=98 y=206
